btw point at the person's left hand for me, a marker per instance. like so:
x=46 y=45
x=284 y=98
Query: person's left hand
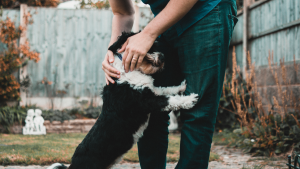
x=136 y=47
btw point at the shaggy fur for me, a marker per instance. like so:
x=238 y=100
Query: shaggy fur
x=127 y=105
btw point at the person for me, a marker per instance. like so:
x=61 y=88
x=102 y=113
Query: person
x=194 y=36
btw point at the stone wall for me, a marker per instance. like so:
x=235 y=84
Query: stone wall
x=71 y=126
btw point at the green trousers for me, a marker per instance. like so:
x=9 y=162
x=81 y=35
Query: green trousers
x=199 y=55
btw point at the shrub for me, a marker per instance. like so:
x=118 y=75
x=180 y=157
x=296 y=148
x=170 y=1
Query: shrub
x=16 y=3
x=273 y=131
x=12 y=59
x=12 y=115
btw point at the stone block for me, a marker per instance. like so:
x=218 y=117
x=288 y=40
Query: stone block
x=47 y=122
x=73 y=131
x=71 y=127
x=86 y=128
x=56 y=123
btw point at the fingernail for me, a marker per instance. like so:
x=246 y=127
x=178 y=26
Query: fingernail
x=118 y=72
x=110 y=60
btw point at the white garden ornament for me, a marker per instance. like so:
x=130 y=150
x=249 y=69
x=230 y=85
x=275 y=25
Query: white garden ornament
x=34 y=123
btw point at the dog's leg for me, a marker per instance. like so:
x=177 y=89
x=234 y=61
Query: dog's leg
x=181 y=102
x=170 y=90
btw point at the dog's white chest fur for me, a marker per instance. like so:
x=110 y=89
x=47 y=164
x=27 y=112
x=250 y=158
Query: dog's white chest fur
x=136 y=79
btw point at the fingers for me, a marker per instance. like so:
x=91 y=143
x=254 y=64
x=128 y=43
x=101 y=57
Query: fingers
x=108 y=67
x=127 y=62
x=106 y=81
x=139 y=63
x=123 y=47
x=133 y=62
x=109 y=79
x=111 y=57
x=124 y=57
x=110 y=73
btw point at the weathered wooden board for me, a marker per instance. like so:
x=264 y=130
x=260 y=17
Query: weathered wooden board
x=72 y=45
x=269 y=16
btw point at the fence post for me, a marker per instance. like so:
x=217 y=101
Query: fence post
x=136 y=22
x=23 y=70
x=245 y=35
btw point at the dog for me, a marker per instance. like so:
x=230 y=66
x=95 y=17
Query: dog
x=127 y=105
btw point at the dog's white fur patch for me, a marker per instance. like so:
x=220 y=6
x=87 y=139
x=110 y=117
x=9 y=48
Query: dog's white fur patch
x=54 y=165
x=140 y=131
x=181 y=102
x=139 y=81
x=170 y=90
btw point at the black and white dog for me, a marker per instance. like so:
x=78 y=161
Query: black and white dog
x=127 y=106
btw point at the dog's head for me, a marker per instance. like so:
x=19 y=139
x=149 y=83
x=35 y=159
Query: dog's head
x=153 y=61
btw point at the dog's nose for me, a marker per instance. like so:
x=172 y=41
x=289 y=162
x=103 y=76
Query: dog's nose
x=161 y=57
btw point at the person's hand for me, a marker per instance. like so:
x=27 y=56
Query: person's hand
x=108 y=69
x=136 y=47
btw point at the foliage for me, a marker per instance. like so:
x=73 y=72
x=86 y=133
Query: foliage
x=99 y=5
x=262 y=132
x=12 y=115
x=226 y=118
x=8 y=116
x=13 y=58
x=16 y=3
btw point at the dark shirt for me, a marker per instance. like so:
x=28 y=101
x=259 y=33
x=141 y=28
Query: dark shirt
x=199 y=10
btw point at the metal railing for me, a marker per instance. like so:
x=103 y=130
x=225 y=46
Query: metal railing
x=296 y=161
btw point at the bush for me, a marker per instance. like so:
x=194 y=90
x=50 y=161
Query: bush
x=262 y=132
x=12 y=115
x=12 y=59
x=16 y=3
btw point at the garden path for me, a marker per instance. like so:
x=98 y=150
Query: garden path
x=230 y=158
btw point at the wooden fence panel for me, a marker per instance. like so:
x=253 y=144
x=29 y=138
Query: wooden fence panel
x=72 y=45
x=273 y=26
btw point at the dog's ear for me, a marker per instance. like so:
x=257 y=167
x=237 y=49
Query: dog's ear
x=121 y=40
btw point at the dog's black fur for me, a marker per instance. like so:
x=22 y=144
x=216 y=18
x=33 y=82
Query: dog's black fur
x=124 y=111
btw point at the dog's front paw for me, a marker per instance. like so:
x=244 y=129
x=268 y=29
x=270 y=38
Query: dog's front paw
x=182 y=86
x=190 y=101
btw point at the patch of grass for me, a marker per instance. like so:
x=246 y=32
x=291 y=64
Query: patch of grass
x=254 y=167
x=172 y=154
x=51 y=148
x=225 y=138
x=39 y=150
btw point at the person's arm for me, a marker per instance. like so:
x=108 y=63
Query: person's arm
x=122 y=21
x=138 y=45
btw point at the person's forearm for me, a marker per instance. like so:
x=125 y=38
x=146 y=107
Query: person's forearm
x=171 y=14
x=120 y=23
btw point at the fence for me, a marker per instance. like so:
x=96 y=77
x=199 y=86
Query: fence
x=269 y=25
x=72 y=45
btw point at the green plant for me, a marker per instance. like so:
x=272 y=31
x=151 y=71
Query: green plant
x=262 y=132
x=16 y=3
x=11 y=115
x=12 y=59
x=8 y=116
